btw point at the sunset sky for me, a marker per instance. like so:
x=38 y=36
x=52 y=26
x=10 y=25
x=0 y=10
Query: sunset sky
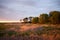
x=13 y=10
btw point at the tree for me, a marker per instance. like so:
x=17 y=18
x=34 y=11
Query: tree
x=43 y=18
x=35 y=20
x=30 y=19
x=20 y=20
x=25 y=20
x=54 y=17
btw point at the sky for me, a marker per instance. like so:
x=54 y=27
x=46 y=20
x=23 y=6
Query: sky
x=14 y=10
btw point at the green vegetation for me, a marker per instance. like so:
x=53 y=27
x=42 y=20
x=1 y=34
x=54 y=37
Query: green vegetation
x=10 y=33
x=35 y=20
x=52 y=17
x=43 y=18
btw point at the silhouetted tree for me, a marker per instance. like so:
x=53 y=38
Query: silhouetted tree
x=30 y=19
x=35 y=20
x=25 y=20
x=43 y=18
x=54 y=17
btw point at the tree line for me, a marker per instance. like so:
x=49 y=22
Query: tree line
x=52 y=17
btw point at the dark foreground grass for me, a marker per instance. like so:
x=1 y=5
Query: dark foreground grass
x=41 y=33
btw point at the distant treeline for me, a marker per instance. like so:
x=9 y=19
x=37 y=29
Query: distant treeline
x=52 y=17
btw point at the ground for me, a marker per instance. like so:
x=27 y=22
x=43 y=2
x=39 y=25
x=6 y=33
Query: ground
x=18 y=31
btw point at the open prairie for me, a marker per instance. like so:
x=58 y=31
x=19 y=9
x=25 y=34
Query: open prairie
x=19 y=31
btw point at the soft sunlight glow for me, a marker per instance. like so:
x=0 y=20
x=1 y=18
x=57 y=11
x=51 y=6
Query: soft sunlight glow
x=8 y=21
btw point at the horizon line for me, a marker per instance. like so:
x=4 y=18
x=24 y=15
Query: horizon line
x=8 y=21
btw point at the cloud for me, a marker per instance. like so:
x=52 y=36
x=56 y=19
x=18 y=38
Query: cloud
x=23 y=2
x=1 y=6
x=16 y=9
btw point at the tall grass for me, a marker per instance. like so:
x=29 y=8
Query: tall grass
x=41 y=31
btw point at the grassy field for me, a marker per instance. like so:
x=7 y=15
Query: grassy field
x=17 y=31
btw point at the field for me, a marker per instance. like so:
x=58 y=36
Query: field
x=19 y=31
